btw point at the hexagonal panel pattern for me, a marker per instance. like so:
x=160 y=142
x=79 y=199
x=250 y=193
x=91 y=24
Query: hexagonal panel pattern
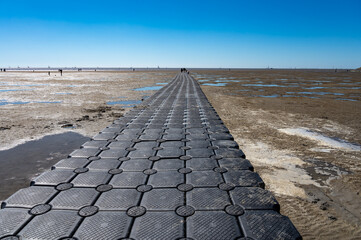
x=168 y=169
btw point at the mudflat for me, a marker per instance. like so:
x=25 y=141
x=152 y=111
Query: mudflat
x=301 y=130
x=43 y=118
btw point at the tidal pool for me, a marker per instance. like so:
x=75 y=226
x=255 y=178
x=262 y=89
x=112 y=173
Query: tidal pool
x=215 y=84
x=152 y=88
x=25 y=161
x=129 y=102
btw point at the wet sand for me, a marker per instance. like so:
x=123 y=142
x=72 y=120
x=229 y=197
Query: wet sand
x=300 y=129
x=34 y=105
x=28 y=160
x=302 y=132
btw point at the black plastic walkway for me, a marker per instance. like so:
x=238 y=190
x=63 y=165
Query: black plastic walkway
x=168 y=169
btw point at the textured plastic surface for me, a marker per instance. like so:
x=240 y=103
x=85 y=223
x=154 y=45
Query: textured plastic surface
x=168 y=169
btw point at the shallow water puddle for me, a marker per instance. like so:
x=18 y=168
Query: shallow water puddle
x=224 y=81
x=215 y=84
x=126 y=104
x=15 y=90
x=262 y=85
x=152 y=88
x=317 y=93
x=347 y=99
x=309 y=97
x=268 y=96
x=310 y=88
x=322 y=139
x=349 y=83
x=351 y=88
x=4 y=102
x=23 y=162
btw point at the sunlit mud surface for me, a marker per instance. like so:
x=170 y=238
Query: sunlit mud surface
x=35 y=104
x=301 y=130
x=43 y=118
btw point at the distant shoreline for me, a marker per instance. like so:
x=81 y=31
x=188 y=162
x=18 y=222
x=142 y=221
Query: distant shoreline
x=113 y=69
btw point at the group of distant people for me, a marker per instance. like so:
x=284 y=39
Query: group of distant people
x=184 y=70
x=2 y=70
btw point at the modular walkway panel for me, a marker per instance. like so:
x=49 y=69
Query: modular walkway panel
x=168 y=169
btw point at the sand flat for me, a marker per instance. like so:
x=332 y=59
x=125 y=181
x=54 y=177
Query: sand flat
x=314 y=172
x=39 y=109
x=49 y=102
x=317 y=184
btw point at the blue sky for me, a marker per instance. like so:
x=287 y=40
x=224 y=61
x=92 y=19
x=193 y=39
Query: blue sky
x=243 y=33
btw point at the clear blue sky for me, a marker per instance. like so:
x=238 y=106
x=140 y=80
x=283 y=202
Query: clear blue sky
x=243 y=33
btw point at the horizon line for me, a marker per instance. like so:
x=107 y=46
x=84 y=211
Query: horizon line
x=162 y=68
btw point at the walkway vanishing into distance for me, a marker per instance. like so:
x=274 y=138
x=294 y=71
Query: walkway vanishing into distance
x=168 y=169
